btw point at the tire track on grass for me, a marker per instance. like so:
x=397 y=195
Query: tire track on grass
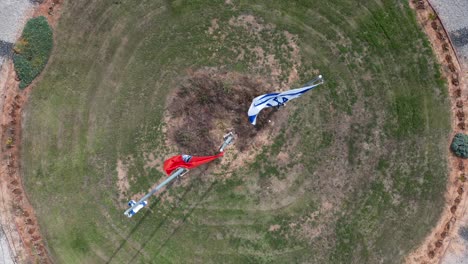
x=192 y=208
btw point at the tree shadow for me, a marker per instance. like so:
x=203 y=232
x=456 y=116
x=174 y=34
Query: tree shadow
x=163 y=222
x=193 y=206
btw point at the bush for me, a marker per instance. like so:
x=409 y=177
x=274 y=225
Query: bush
x=460 y=145
x=32 y=51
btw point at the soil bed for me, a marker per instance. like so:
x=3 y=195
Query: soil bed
x=209 y=103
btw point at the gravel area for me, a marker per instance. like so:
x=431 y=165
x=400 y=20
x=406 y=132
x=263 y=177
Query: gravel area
x=463 y=232
x=13 y=16
x=5 y=252
x=454 y=16
x=456 y=254
x=457 y=250
x=5 y=49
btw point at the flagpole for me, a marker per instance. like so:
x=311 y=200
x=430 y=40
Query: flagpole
x=136 y=206
x=317 y=80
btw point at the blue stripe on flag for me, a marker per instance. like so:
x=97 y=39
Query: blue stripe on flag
x=252 y=118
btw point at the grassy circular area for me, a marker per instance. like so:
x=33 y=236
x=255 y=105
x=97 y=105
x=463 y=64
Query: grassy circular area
x=32 y=50
x=355 y=174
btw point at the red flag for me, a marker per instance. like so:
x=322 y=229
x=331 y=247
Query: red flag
x=187 y=161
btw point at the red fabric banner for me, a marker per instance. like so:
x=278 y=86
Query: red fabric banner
x=187 y=161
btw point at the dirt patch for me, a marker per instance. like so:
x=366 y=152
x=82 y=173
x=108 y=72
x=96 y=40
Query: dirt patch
x=51 y=9
x=435 y=245
x=309 y=231
x=274 y=228
x=292 y=44
x=214 y=26
x=249 y=22
x=308 y=227
x=283 y=158
x=278 y=186
x=122 y=179
x=326 y=206
x=208 y=104
x=153 y=162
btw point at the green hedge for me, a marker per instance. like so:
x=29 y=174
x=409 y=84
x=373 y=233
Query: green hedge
x=460 y=145
x=32 y=50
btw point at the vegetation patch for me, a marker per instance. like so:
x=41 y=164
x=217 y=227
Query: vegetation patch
x=33 y=49
x=459 y=145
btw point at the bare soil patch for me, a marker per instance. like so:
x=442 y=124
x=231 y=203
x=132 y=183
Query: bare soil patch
x=210 y=103
x=122 y=179
x=18 y=212
x=274 y=228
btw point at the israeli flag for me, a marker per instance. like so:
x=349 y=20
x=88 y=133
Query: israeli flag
x=279 y=99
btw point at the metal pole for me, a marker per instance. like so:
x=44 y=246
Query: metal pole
x=177 y=173
x=317 y=80
x=141 y=203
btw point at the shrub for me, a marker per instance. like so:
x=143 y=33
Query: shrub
x=460 y=145
x=432 y=16
x=32 y=50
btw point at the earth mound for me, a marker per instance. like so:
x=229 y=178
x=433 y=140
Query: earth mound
x=208 y=104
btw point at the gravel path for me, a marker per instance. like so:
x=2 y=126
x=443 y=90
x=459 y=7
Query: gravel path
x=454 y=16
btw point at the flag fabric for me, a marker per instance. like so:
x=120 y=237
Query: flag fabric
x=277 y=99
x=187 y=161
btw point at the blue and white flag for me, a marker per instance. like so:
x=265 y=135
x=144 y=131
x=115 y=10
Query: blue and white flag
x=279 y=99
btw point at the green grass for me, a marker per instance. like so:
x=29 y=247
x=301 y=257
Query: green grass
x=33 y=49
x=372 y=141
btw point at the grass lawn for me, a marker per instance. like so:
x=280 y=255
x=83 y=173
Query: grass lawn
x=356 y=175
